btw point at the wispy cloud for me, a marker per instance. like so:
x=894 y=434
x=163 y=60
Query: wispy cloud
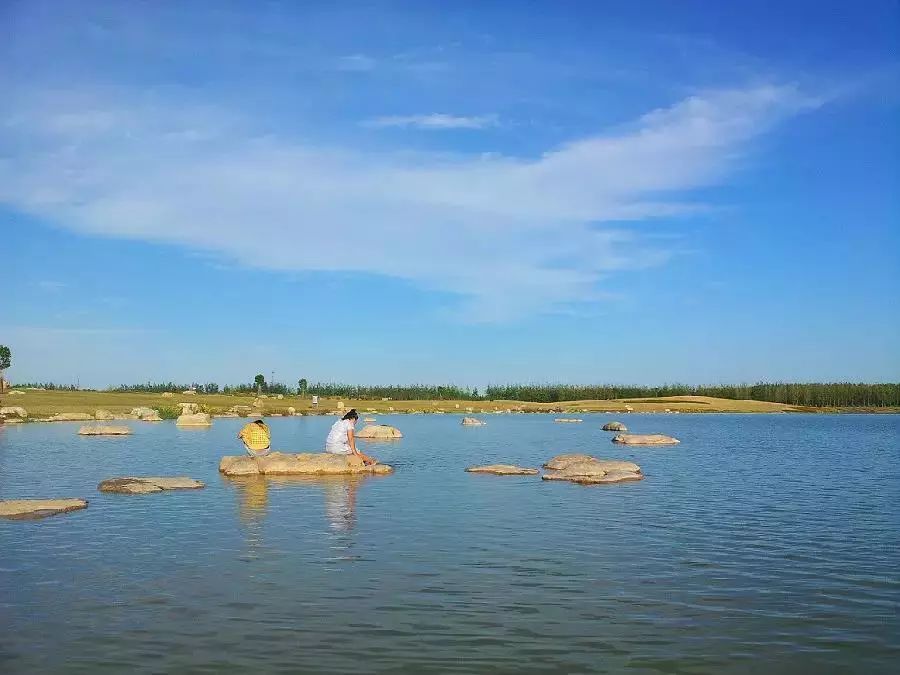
x=356 y=63
x=434 y=121
x=51 y=286
x=508 y=235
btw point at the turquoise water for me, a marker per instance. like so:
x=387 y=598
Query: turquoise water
x=761 y=543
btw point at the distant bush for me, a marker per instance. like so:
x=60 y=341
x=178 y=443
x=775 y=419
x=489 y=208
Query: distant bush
x=168 y=412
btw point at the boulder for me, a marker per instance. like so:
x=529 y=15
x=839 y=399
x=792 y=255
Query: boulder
x=103 y=430
x=195 y=420
x=168 y=394
x=280 y=397
x=596 y=471
x=472 y=422
x=291 y=410
x=379 y=431
x=103 y=415
x=143 y=411
x=614 y=426
x=302 y=464
x=10 y=410
x=645 y=439
x=26 y=509
x=152 y=417
x=241 y=410
x=189 y=408
x=503 y=470
x=132 y=485
x=189 y=392
x=561 y=461
x=71 y=417
x=567 y=419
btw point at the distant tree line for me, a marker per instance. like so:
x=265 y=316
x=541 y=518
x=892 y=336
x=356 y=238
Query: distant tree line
x=50 y=386
x=815 y=394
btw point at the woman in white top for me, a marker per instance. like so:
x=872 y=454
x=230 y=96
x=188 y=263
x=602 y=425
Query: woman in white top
x=341 y=440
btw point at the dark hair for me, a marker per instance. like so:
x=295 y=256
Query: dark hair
x=351 y=415
x=259 y=422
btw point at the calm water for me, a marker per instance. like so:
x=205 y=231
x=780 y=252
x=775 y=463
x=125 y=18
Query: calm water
x=764 y=543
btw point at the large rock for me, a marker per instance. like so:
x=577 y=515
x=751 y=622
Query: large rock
x=10 y=410
x=561 y=461
x=195 y=420
x=152 y=417
x=24 y=509
x=103 y=415
x=645 y=439
x=614 y=426
x=567 y=419
x=71 y=417
x=241 y=410
x=503 y=470
x=103 y=430
x=302 y=464
x=472 y=422
x=189 y=408
x=379 y=432
x=168 y=394
x=143 y=412
x=134 y=485
x=595 y=471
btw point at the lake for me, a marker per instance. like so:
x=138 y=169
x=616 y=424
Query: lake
x=760 y=543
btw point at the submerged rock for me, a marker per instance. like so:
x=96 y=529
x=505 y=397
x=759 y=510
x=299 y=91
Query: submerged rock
x=379 y=431
x=561 y=461
x=593 y=471
x=103 y=430
x=195 y=420
x=24 y=509
x=133 y=485
x=614 y=426
x=302 y=464
x=503 y=470
x=472 y=422
x=644 y=439
x=567 y=419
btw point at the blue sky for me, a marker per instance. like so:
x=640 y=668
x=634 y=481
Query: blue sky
x=468 y=192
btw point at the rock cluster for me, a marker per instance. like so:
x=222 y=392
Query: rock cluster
x=503 y=470
x=589 y=470
x=614 y=426
x=103 y=430
x=302 y=464
x=132 y=485
x=644 y=439
x=24 y=509
x=472 y=422
x=195 y=420
x=379 y=432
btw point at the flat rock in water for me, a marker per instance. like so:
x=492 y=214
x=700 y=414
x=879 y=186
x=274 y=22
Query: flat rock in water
x=645 y=439
x=503 y=470
x=567 y=419
x=139 y=485
x=103 y=430
x=71 y=417
x=472 y=422
x=561 y=461
x=301 y=464
x=379 y=431
x=26 y=509
x=195 y=420
x=595 y=471
x=614 y=426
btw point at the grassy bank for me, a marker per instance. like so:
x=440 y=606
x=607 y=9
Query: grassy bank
x=46 y=403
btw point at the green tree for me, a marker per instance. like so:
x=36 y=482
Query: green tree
x=260 y=382
x=5 y=360
x=302 y=386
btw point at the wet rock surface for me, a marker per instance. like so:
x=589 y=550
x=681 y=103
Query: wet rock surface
x=614 y=426
x=32 y=509
x=301 y=464
x=103 y=430
x=139 y=485
x=503 y=470
x=645 y=439
x=379 y=431
x=472 y=422
x=590 y=470
x=195 y=420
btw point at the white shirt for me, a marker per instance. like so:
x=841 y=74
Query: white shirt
x=337 y=442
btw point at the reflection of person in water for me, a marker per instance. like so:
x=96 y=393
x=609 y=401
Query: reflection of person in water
x=340 y=502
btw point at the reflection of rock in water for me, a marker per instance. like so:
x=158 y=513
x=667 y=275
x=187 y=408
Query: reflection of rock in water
x=340 y=503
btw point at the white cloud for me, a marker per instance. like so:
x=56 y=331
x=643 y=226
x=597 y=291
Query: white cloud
x=434 y=121
x=509 y=235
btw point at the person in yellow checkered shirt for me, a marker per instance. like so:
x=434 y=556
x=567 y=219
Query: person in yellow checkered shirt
x=257 y=438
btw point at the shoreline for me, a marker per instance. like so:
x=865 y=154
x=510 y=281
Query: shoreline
x=43 y=405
